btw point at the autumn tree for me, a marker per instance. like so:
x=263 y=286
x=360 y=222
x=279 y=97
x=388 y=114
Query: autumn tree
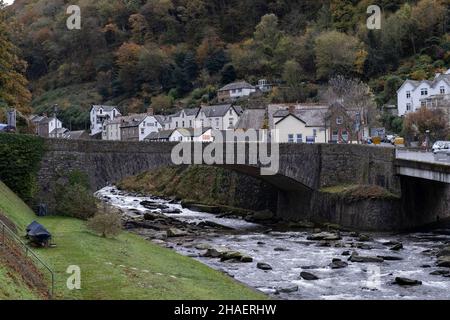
x=416 y=125
x=338 y=53
x=13 y=84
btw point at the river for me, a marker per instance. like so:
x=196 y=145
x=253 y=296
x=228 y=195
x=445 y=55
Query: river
x=291 y=253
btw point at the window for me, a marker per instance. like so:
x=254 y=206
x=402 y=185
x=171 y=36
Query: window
x=299 y=138
x=315 y=132
x=335 y=135
x=231 y=123
x=423 y=103
x=176 y=124
x=114 y=113
x=183 y=124
x=142 y=130
x=217 y=122
x=408 y=94
x=231 y=111
x=442 y=90
x=101 y=111
x=424 y=91
x=190 y=123
x=291 y=138
x=345 y=136
x=339 y=120
x=408 y=107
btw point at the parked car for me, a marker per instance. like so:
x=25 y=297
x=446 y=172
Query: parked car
x=441 y=147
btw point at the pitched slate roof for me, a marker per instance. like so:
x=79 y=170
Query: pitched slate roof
x=106 y=108
x=251 y=119
x=133 y=120
x=237 y=85
x=218 y=110
x=160 y=135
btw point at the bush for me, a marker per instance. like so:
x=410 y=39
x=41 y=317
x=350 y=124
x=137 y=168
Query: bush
x=106 y=222
x=75 y=201
x=20 y=156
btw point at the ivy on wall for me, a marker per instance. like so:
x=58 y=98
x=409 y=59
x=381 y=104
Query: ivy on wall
x=20 y=157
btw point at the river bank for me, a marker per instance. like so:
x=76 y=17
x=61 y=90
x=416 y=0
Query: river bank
x=306 y=263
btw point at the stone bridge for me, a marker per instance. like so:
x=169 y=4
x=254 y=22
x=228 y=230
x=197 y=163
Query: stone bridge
x=304 y=171
x=300 y=165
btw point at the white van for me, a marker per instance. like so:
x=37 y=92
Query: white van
x=441 y=147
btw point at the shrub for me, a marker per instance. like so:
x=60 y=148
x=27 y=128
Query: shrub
x=106 y=222
x=75 y=201
x=20 y=156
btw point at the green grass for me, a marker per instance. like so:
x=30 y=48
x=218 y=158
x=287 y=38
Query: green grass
x=358 y=192
x=107 y=264
x=12 y=287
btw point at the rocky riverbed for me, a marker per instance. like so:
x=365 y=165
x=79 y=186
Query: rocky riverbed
x=306 y=263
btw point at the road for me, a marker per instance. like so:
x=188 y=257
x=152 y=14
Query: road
x=422 y=156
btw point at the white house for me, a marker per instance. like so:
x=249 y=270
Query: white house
x=99 y=114
x=182 y=119
x=218 y=117
x=191 y=135
x=300 y=126
x=234 y=91
x=111 y=130
x=415 y=94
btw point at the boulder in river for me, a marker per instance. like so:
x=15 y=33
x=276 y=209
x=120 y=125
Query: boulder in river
x=211 y=253
x=445 y=252
x=308 y=276
x=174 y=232
x=172 y=211
x=440 y=273
x=391 y=258
x=230 y=255
x=281 y=249
x=397 y=247
x=407 y=282
x=246 y=259
x=327 y=236
x=364 y=238
x=338 y=264
x=287 y=289
x=362 y=259
x=443 y=262
x=264 y=266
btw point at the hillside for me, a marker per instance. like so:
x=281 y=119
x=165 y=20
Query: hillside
x=171 y=52
x=128 y=267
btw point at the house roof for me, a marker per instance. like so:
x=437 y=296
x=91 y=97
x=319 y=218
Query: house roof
x=59 y=131
x=218 y=110
x=48 y=120
x=237 y=85
x=188 y=112
x=132 y=120
x=160 y=135
x=106 y=108
x=191 y=132
x=251 y=119
x=77 y=135
x=445 y=77
x=312 y=115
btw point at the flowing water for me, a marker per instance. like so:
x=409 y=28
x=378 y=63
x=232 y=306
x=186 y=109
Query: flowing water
x=290 y=253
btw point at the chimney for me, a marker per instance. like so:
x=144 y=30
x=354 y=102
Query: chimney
x=150 y=111
x=291 y=109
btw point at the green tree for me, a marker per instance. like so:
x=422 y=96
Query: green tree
x=13 y=84
x=337 y=53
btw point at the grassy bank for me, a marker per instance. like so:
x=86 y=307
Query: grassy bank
x=127 y=267
x=360 y=192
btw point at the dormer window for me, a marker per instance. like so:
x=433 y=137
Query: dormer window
x=442 y=90
x=424 y=91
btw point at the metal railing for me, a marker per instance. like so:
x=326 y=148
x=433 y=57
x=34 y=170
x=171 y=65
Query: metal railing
x=10 y=240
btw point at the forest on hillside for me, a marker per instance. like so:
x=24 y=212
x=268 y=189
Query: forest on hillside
x=169 y=53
